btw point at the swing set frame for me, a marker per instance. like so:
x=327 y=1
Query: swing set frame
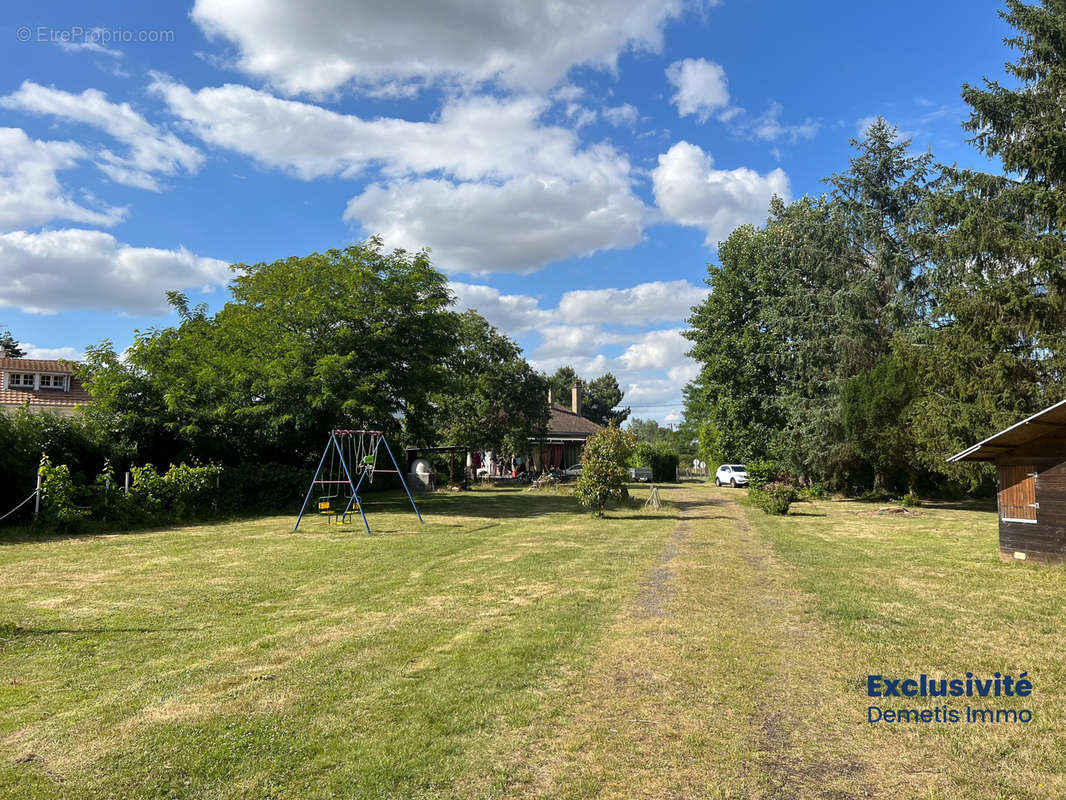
x=368 y=466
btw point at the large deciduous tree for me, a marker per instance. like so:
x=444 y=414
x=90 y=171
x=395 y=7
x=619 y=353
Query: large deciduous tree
x=493 y=399
x=352 y=338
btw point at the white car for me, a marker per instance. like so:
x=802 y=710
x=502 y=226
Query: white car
x=733 y=474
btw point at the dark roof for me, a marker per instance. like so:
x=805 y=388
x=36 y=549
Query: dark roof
x=48 y=398
x=1050 y=420
x=565 y=422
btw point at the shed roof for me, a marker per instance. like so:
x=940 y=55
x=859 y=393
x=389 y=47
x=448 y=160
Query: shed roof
x=1050 y=420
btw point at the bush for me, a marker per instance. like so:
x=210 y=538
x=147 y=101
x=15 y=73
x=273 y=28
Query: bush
x=773 y=498
x=816 y=491
x=911 y=500
x=109 y=502
x=182 y=493
x=604 y=472
x=762 y=471
x=58 y=508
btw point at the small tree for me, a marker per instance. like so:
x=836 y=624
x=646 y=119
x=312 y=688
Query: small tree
x=9 y=346
x=603 y=468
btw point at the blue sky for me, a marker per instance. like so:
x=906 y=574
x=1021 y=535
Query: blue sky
x=571 y=165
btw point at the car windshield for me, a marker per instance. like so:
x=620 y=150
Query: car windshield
x=739 y=468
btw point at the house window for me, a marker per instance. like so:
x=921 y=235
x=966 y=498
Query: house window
x=53 y=382
x=1017 y=493
x=22 y=380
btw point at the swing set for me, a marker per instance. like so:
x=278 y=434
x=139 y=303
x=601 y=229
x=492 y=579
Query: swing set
x=352 y=457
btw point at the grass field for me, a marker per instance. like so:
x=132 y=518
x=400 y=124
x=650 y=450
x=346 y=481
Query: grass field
x=514 y=646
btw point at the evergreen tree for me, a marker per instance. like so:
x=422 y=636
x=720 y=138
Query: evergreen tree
x=10 y=347
x=996 y=349
x=599 y=397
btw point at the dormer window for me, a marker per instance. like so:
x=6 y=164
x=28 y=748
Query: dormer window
x=21 y=380
x=53 y=381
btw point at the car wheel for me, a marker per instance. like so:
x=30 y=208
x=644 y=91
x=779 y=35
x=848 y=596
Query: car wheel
x=717 y=483
x=733 y=482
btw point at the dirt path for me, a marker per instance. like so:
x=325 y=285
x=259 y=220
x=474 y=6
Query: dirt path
x=714 y=682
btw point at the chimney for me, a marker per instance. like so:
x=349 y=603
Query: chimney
x=575 y=399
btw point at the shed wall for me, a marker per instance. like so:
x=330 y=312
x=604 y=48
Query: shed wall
x=1044 y=540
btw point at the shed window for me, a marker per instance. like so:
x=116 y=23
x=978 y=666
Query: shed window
x=1017 y=493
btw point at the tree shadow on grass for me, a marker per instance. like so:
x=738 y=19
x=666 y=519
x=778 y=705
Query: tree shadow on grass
x=9 y=632
x=982 y=504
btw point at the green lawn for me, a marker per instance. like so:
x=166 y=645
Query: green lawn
x=209 y=660
x=516 y=647
x=928 y=594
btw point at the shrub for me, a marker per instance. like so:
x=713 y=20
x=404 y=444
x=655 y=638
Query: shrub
x=147 y=493
x=911 y=500
x=109 y=502
x=762 y=471
x=774 y=497
x=191 y=491
x=816 y=491
x=58 y=508
x=604 y=473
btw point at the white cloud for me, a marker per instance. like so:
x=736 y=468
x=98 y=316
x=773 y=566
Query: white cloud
x=321 y=45
x=586 y=367
x=579 y=115
x=72 y=268
x=645 y=303
x=652 y=367
x=30 y=193
x=660 y=393
x=656 y=350
x=684 y=373
x=637 y=306
x=568 y=93
x=514 y=313
x=472 y=138
x=622 y=115
x=89 y=46
x=506 y=193
x=570 y=341
x=151 y=150
x=51 y=353
x=769 y=128
x=701 y=87
x=691 y=192
x=517 y=226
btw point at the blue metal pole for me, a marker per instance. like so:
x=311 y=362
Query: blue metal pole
x=400 y=475
x=311 y=488
x=351 y=483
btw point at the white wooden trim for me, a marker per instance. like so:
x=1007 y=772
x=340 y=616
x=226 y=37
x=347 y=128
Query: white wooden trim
x=1012 y=519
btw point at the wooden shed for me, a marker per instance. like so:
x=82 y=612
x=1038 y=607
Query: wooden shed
x=1030 y=459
